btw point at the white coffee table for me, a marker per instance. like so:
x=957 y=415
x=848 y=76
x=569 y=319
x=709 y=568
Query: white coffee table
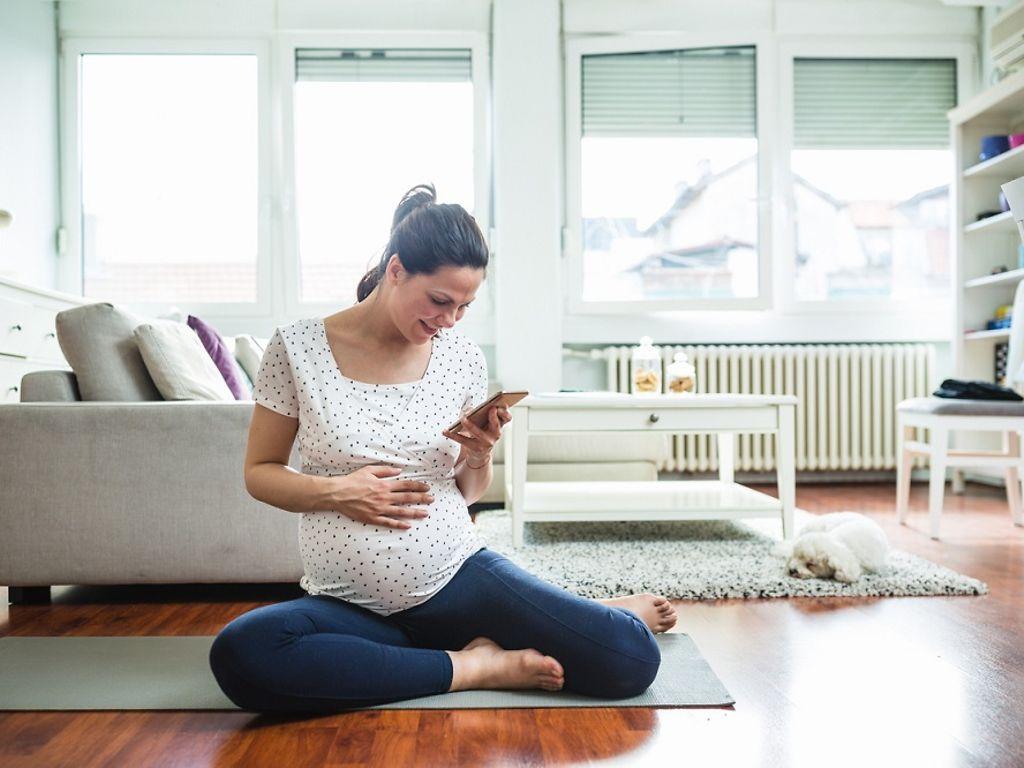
x=721 y=499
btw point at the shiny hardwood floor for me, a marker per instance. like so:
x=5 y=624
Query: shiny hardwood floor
x=905 y=682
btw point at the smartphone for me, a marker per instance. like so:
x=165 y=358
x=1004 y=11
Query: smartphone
x=479 y=414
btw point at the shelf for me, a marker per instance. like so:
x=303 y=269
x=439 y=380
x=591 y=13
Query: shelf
x=1008 y=164
x=999 y=102
x=1012 y=277
x=1001 y=223
x=998 y=333
x=645 y=500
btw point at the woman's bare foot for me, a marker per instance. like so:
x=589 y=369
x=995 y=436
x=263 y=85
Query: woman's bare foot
x=655 y=611
x=485 y=664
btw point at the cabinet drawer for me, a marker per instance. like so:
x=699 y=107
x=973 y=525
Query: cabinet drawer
x=740 y=419
x=11 y=371
x=42 y=334
x=16 y=319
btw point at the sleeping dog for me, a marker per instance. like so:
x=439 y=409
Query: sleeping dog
x=839 y=545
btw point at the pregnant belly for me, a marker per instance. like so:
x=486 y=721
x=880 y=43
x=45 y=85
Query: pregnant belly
x=338 y=551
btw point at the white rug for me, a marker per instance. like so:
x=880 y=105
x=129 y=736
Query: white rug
x=695 y=560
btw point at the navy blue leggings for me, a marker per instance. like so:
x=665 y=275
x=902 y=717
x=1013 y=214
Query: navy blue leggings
x=320 y=654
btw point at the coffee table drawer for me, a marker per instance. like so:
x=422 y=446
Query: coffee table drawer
x=682 y=419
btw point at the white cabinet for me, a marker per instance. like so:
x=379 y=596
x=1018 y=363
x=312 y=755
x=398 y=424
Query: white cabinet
x=28 y=336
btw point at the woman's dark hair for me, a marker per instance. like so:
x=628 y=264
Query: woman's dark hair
x=428 y=235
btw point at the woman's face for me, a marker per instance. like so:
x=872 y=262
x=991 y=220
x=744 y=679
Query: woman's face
x=420 y=304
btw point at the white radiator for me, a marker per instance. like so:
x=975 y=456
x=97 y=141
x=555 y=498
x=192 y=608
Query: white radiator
x=846 y=416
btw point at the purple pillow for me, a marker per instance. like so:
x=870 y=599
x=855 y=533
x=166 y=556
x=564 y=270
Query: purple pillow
x=218 y=350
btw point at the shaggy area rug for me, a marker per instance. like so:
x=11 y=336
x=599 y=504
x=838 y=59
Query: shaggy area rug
x=694 y=560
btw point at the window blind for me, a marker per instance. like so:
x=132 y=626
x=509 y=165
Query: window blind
x=392 y=65
x=872 y=103
x=708 y=92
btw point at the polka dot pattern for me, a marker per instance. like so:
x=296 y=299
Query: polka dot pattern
x=346 y=424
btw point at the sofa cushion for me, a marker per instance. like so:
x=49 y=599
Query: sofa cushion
x=49 y=386
x=592 y=447
x=222 y=356
x=949 y=406
x=249 y=353
x=178 y=362
x=578 y=472
x=231 y=342
x=98 y=343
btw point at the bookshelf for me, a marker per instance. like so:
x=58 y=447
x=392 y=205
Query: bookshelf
x=979 y=246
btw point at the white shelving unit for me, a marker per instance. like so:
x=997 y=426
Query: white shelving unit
x=981 y=246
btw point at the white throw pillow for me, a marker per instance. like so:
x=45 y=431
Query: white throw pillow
x=249 y=353
x=178 y=362
x=229 y=342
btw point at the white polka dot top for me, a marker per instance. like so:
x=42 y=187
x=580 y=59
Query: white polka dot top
x=346 y=424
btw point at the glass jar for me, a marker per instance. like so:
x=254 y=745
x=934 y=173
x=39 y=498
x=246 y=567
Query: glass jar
x=646 y=369
x=681 y=377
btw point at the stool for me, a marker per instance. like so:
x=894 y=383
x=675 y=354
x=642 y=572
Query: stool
x=941 y=416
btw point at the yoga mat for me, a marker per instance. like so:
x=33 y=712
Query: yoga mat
x=89 y=673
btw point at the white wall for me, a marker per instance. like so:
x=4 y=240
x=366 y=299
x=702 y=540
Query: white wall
x=28 y=141
x=528 y=193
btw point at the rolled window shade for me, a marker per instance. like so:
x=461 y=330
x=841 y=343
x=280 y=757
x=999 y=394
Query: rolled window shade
x=709 y=92
x=872 y=103
x=380 y=65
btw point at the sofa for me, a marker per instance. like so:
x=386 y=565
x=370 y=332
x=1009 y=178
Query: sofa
x=135 y=489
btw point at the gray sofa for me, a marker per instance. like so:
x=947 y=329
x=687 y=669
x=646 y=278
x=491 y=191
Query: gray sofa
x=133 y=491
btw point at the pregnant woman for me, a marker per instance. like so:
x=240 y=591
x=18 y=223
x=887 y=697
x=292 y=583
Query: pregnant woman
x=404 y=599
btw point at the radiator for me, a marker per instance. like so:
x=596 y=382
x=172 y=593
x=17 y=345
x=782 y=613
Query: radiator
x=846 y=414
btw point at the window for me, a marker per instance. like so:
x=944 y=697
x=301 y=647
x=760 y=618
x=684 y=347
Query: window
x=669 y=175
x=369 y=124
x=169 y=177
x=871 y=167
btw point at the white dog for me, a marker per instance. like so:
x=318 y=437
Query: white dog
x=839 y=545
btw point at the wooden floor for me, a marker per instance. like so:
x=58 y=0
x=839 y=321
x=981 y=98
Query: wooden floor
x=907 y=682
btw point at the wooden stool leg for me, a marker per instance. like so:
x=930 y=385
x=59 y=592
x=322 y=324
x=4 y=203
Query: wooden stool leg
x=937 y=478
x=1013 y=490
x=906 y=460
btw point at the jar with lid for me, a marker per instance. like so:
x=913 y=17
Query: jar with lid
x=681 y=377
x=646 y=369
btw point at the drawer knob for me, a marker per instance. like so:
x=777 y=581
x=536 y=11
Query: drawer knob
x=654 y=418
x=16 y=327
x=50 y=335
x=13 y=389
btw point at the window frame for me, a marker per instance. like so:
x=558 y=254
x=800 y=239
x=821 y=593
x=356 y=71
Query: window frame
x=70 y=271
x=963 y=52
x=764 y=63
x=478 y=320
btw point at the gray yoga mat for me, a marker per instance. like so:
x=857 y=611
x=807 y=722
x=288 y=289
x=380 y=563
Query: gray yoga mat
x=86 y=673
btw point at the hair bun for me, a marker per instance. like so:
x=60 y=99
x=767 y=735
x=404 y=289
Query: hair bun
x=417 y=197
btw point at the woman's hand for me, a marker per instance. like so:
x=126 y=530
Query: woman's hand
x=367 y=497
x=480 y=443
